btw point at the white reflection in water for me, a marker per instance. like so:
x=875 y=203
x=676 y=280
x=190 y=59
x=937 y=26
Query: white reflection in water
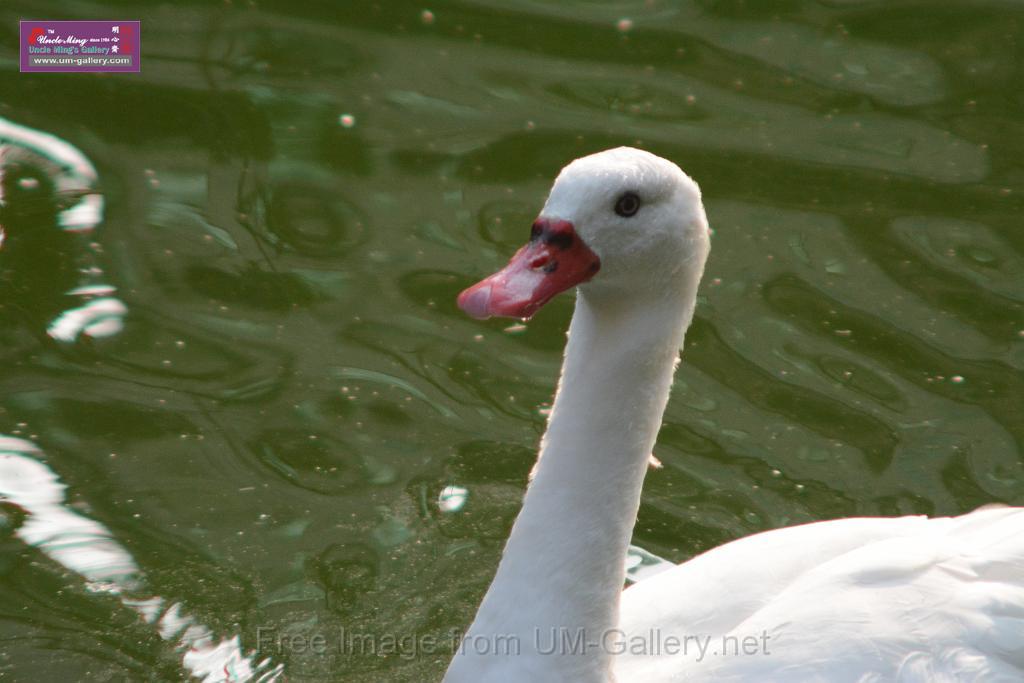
x=97 y=318
x=88 y=548
x=74 y=178
x=452 y=498
x=641 y=564
x=75 y=175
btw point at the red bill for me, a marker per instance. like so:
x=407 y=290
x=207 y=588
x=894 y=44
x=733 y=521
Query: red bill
x=554 y=260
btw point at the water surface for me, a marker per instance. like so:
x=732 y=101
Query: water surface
x=242 y=366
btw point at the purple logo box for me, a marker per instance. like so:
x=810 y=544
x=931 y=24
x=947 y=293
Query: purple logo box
x=80 y=45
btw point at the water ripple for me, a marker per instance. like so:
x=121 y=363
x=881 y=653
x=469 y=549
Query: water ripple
x=87 y=548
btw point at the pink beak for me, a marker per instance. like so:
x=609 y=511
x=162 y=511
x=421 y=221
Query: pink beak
x=554 y=260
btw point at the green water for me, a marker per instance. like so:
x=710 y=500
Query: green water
x=294 y=193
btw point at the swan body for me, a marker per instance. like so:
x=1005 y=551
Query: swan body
x=864 y=600
x=854 y=600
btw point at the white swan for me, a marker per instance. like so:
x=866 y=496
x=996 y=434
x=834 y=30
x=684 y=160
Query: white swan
x=879 y=600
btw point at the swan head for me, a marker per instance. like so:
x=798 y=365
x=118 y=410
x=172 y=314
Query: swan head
x=619 y=224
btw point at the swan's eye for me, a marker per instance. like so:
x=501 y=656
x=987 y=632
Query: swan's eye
x=627 y=205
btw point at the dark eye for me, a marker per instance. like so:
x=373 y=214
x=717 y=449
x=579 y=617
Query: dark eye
x=627 y=205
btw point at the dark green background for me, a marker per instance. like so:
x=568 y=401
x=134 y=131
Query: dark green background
x=861 y=167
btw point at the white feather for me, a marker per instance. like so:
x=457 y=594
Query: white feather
x=848 y=601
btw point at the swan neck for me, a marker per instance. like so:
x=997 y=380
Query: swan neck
x=564 y=565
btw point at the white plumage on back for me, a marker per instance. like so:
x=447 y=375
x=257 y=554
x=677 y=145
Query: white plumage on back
x=909 y=599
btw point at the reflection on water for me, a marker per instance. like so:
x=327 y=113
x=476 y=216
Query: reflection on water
x=227 y=293
x=87 y=548
x=42 y=171
x=97 y=319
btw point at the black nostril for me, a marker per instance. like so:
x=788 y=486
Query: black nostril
x=559 y=240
